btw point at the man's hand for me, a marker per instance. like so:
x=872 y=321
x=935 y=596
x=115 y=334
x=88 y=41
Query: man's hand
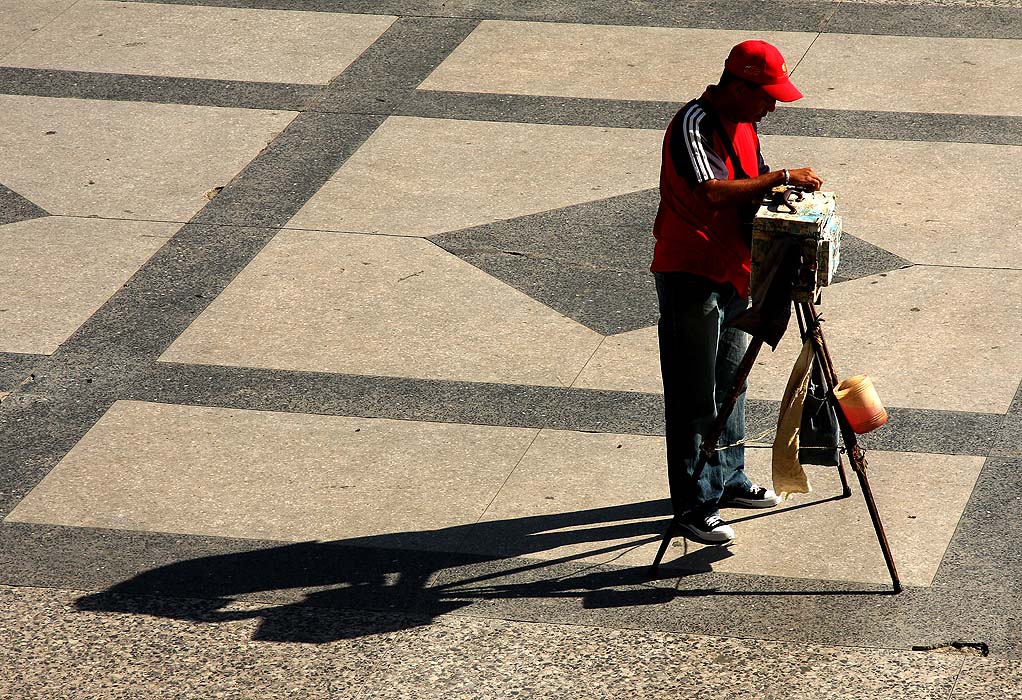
x=805 y=178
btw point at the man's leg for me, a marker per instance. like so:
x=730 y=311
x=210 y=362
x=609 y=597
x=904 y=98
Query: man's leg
x=689 y=334
x=738 y=489
x=731 y=349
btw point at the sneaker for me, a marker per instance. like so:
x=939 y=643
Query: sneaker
x=710 y=529
x=753 y=497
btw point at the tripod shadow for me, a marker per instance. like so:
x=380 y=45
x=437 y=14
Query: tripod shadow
x=431 y=572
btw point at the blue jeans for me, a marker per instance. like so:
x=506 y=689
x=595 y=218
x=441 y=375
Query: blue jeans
x=699 y=359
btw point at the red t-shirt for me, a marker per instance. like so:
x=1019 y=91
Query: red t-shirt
x=689 y=236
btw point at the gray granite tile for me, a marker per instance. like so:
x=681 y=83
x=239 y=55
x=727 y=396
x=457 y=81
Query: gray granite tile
x=789 y=121
x=897 y=126
x=576 y=111
x=808 y=611
x=350 y=395
x=589 y=262
x=291 y=169
x=387 y=71
x=984 y=553
x=1008 y=439
x=148 y=88
x=14 y=207
x=594 y=410
x=917 y=19
x=742 y=14
x=927 y=20
x=935 y=432
x=860 y=258
x=151 y=309
x=118 y=563
x=347 y=575
x=36 y=432
x=1016 y=403
x=15 y=368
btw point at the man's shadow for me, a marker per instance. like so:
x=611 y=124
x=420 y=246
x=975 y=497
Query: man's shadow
x=427 y=572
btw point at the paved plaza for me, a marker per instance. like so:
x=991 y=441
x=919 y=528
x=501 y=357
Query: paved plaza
x=328 y=354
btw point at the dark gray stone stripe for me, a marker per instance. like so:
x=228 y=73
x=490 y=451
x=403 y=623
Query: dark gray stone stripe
x=15 y=367
x=384 y=81
x=36 y=432
x=389 y=70
x=570 y=111
x=273 y=187
x=71 y=388
x=935 y=20
x=587 y=410
x=191 y=577
x=14 y=207
x=850 y=18
x=786 y=121
x=1008 y=442
x=164 y=90
x=175 y=285
x=984 y=552
x=897 y=126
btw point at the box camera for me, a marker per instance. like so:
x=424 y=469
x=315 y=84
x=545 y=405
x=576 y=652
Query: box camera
x=809 y=218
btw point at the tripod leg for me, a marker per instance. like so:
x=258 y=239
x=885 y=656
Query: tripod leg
x=709 y=445
x=855 y=453
x=668 y=536
x=830 y=376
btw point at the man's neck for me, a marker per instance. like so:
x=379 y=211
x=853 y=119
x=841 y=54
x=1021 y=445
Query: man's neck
x=721 y=102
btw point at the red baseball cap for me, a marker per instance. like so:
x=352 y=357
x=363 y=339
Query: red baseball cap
x=761 y=63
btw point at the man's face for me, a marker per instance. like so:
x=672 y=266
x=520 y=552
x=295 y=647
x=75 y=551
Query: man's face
x=755 y=103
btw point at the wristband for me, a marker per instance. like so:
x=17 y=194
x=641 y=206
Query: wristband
x=787 y=175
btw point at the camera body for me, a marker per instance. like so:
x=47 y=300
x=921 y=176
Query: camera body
x=808 y=217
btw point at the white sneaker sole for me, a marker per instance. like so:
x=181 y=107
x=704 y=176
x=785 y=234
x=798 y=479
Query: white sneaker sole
x=707 y=537
x=744 y=503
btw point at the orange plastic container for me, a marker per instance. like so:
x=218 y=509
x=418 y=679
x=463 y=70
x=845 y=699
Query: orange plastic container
x=860 y=403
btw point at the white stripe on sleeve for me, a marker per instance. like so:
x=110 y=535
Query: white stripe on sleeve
x=694 y=145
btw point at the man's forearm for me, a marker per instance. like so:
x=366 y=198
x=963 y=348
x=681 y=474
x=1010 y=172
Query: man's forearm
x=723 y=194
x=720 y=194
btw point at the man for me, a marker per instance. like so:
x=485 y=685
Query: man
x=712 y=178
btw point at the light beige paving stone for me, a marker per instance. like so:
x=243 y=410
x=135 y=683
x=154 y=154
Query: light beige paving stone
x=577 y=60
x=265 y=475
x=380 y=305
x=126 y=159
x=930 y=337
x=56 y=271
x=895 y=194
x=912 y=74
x=22 y=20
x=625 y=362
x=920 y=498
x=419 y=176
x=201 y=42
x=840 y=71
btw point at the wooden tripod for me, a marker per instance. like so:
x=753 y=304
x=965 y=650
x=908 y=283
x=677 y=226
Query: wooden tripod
x=809 y=323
